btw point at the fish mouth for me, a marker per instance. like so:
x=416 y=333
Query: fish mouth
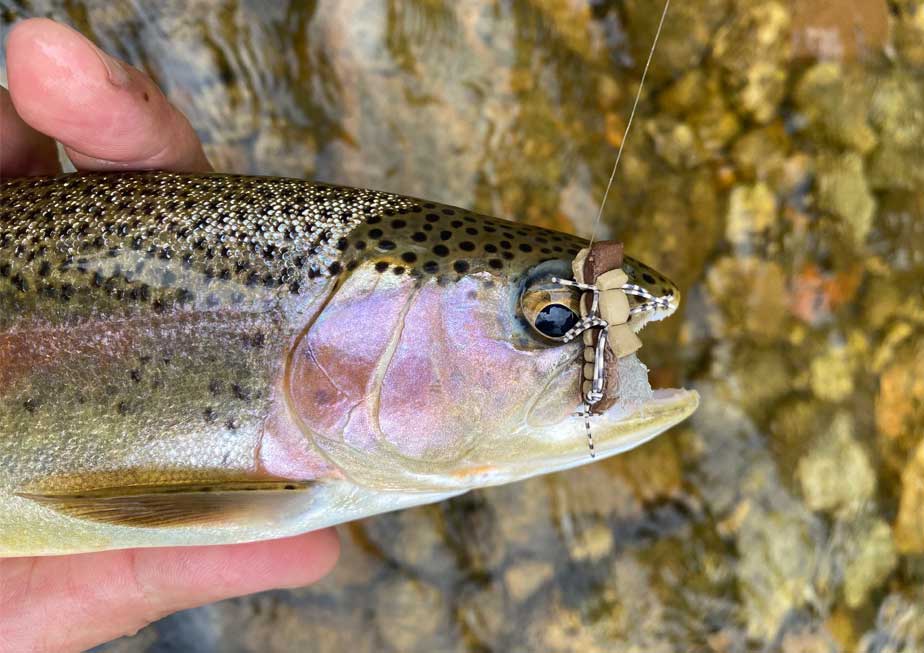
x=621 y=428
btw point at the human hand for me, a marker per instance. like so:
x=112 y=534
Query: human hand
x=110 y=116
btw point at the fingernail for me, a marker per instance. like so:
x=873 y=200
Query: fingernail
x=115 y=69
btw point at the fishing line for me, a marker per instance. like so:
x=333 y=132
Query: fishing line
x=592 y=320
x=625 y=134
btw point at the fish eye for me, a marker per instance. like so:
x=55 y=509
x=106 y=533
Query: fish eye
x=551 y=309
x=555 y=320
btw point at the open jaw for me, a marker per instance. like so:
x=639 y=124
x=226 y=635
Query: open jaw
x=638 y=416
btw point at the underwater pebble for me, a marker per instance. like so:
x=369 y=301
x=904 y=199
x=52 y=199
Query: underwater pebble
x=751 y=298
x=899 y=626
x=751 y=212
x=873 y=559
x=752 y=48
x=842 y=189
x=591 y=542
x=412 y=616
x=909 y=525
x=836 y=105
x=525 y=577
x=836 y=474
x=900 y=408
x=831 y=374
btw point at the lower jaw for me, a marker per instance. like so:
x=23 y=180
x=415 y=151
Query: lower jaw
x=619 y=429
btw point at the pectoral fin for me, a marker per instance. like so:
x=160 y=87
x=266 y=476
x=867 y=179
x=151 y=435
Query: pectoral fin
x=155 y=506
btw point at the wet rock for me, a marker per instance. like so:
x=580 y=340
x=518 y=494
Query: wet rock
x=750 y=297
x=485 y=615
x=842 y=190
x=525 y=577
x=654 y=471
x=577 y=496
x=686 y=36
x=807 y=639
x=412 y=616
x=762 y=153
x=526 y=517
x=590 y=541
x=909 y=525
x=900 y=408
x=777 y=540
x=675 y=142
x=752 y=49
x=688 y=92
x=841 y=627
x=836 y=475
x=795 y=425
x=897 y=113
x=831 y=373
x=844 y=30
x=757 y=378
x=778 y=559
x=629 y=619
x=871 y=559
x=836 y=106
x=273 y=623
x=752 y=211
x=411 y=539
x=899 y=626
x=908 y=34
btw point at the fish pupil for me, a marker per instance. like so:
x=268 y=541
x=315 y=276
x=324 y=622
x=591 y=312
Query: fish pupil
x=555 y=320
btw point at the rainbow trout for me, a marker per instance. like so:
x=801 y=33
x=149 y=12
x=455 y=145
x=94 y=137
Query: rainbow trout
x=203 y=359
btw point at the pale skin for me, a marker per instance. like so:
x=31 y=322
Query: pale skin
x=110 y=116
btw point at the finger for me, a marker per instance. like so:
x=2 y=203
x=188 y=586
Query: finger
x=71 y=603
x=23 y=151
x=108 y=114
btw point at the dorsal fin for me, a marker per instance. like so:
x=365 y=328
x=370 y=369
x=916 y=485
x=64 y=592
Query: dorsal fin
x=154 y=506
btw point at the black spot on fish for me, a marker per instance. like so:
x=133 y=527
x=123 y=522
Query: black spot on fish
x=441 y=250
x=460 y=266
x=431 y=266
x=409 y=257
x=381 y=266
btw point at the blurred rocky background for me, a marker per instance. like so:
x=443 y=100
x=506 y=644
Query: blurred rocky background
x=775 y=171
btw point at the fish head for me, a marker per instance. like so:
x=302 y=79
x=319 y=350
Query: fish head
x=436 y=363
